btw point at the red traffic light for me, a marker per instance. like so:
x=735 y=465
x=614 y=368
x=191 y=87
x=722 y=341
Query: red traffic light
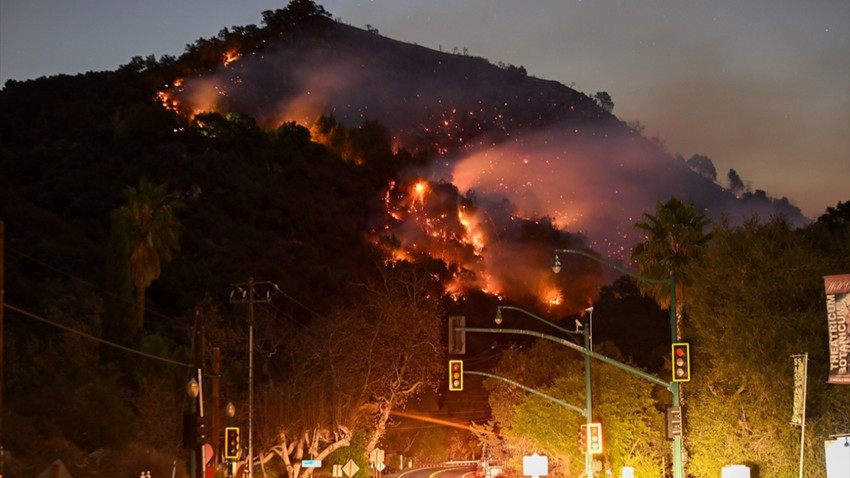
x=455 y=375
x=231 y=443
x=681 y=362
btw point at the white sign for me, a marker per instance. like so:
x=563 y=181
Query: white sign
x=350 y=468
x=311 y=463
x=535 y=465
x=838 y=457
x=735 y=471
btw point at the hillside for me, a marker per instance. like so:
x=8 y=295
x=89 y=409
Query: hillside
x=491 y=146
x=499 y=132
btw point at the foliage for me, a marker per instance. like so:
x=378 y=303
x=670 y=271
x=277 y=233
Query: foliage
x=153 y=234
x=758 y=299
x=354 y=367
x=623 y=402
x=674 y=242
x=603 y=99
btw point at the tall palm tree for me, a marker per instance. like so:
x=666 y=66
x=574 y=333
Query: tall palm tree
x=153 y=231
x=674 y=242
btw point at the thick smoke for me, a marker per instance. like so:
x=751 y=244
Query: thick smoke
x=530 y=151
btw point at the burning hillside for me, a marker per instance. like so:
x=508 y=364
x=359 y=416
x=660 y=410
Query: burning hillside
x=525 y=151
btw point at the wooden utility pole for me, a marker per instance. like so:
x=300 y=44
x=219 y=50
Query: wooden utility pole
x=2 y=306
x=199 y=365
x=217 y=431
x=246 y=295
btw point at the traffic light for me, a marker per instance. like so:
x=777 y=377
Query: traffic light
x=582 y=438
x=594 y=438
x=190 y=426
x=681 y=362
x=455 y=375
x=231 y=443
x=457 y=338
x=674 y=422
x=201 y=431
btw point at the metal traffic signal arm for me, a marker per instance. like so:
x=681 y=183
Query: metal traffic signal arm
x=578 y=348
x=457 y=331
x=678 y=467
x=527 y=389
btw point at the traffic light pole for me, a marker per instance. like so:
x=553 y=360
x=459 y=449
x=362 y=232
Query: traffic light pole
x=678 y=469
x=588 y=397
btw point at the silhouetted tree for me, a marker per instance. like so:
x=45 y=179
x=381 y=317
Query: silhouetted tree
x=703 y=166
x=154 y=234
x=603 y=99
x=735 y=183
x=674 y=241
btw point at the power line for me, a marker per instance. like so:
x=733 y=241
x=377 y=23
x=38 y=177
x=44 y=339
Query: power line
x=80 y=280
x=92 y=337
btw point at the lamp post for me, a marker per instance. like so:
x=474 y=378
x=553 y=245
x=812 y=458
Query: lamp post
x=678 y=470
x=588 y=400
x=245 y=293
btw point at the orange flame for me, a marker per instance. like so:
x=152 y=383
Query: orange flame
x=230 y=56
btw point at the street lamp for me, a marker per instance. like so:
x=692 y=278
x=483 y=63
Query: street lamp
x=588 y=401
x=678 y=470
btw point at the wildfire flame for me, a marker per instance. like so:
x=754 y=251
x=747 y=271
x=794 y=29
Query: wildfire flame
x=429 y=219
x=230 y=56
x=425 y=218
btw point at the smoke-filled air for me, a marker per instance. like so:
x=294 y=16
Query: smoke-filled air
x=511 y=153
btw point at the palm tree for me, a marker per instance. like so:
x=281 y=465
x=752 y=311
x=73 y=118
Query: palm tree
x=153 y=231
x=674 y=242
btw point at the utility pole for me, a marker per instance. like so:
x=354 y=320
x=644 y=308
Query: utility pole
x=2 y=306
x=199 y=364
x=215 y=424
x=245 y=293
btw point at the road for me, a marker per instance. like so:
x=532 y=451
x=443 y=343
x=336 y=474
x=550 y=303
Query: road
x=449 y=470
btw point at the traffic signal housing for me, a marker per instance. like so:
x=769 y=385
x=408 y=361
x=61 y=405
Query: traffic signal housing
x=202 y=431
x=457 y=337
x=455 y=375
x=594 y=438
x=681 y=362
x=582 y=438
x=231 y=443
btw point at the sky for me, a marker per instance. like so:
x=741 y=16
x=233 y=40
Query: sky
x=758 y=86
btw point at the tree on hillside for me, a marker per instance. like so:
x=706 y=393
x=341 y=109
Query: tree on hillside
x=703 y=166
x=154 y=235
x=603 y=99
x=736 y=185
x=674 y=241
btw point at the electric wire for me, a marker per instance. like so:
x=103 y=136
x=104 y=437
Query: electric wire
x=92 y=337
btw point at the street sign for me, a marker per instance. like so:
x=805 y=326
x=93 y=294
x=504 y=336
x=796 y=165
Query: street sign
x=311 y=463
x=350 y=468
x=535 y=465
